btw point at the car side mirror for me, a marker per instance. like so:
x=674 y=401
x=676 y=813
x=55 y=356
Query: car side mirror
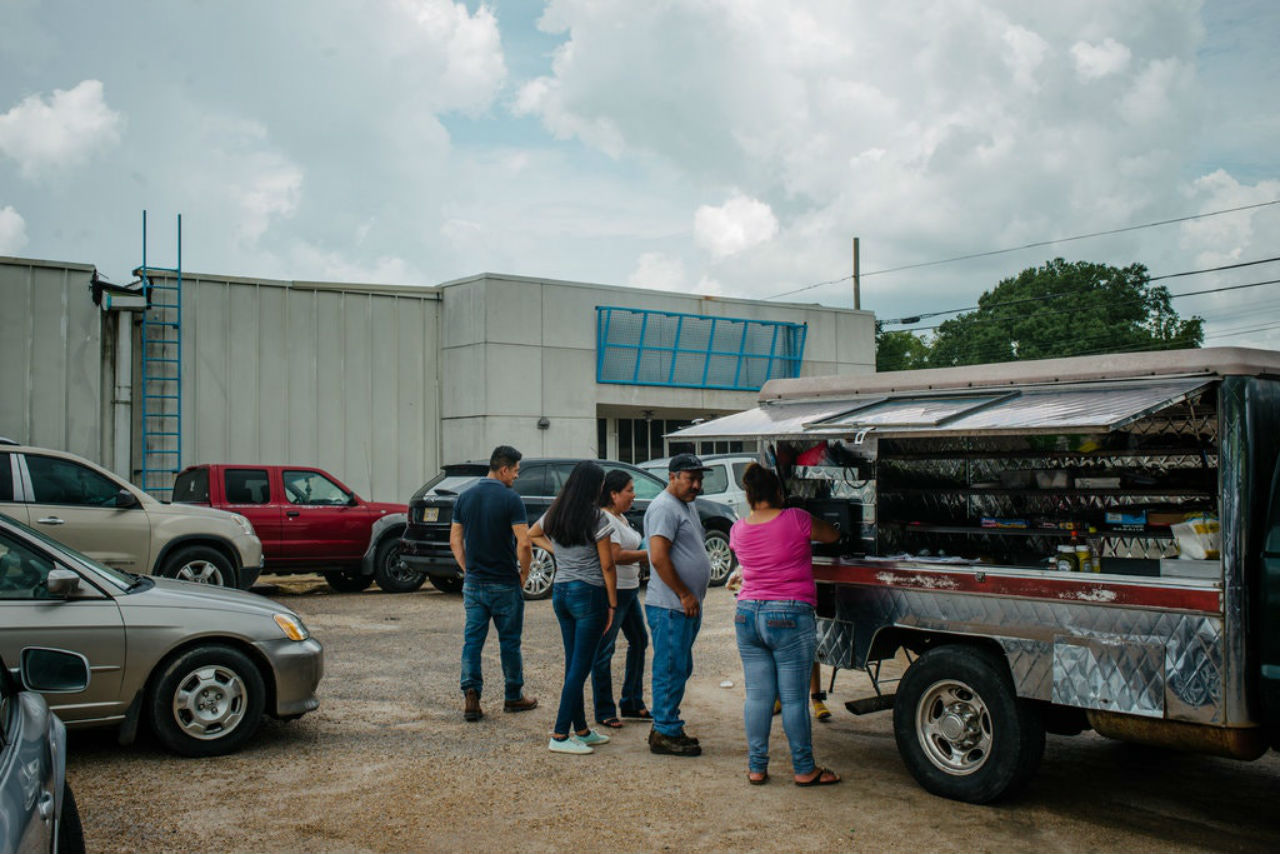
x=53 y=671
x=61 y=582
x=351 y=499
x=125 y=498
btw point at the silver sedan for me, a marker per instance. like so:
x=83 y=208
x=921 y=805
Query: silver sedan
x=199 y=665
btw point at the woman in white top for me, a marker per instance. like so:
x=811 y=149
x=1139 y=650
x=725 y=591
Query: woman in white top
x=628 y=556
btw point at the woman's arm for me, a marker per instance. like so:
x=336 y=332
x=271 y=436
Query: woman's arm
x=539 y=538
x=604 y=547
x=823 y=531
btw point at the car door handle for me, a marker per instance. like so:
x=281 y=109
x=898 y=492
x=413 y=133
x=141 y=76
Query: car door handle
x=45 y=807
x=291 y=513
x=51 y=520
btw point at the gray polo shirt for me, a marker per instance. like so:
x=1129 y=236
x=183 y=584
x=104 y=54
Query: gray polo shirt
x=678 y=522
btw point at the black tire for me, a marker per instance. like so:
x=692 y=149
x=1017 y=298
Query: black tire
x=722 y=557
x=447 y=585
x=201 y=564
x=542 y=576
x=392 y=574
x=960 y=728
x=191 y=710
x=70 y=835
x=348 y=580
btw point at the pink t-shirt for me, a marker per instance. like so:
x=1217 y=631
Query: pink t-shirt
x=776 y=557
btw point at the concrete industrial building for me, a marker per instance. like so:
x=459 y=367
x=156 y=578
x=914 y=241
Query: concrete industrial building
x=382 y=384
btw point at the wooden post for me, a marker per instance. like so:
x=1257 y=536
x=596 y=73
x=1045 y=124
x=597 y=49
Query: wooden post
x=857 y=284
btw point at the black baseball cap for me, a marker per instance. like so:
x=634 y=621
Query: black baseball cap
x=686 y=462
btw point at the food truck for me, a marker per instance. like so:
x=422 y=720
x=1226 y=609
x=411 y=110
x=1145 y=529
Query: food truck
x=1051 y=546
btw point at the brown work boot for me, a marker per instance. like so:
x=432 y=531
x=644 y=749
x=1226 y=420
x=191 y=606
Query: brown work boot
x=524 y=704
x=471 y=708
x=671 y=745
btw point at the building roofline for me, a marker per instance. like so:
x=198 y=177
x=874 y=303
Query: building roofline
x=38 y=262
x=511 y=277
x=423 y=291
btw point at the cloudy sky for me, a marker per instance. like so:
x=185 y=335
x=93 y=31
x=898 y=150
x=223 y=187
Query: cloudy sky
x=727 y=147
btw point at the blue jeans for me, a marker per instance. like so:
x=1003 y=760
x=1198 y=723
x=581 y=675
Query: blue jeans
x=629 y=619
x=582 y=609
x=673 y=636
x=777 y=641
x=504 y=604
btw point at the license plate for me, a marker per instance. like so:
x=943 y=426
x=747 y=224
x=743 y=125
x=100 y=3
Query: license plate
x=430 y=514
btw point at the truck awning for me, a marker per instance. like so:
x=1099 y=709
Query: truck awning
x=1079 y=408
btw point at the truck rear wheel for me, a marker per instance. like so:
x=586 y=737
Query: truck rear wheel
x=391 y=573
x=961 y=729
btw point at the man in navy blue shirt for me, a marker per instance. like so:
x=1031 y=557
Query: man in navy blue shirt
x=489 y=538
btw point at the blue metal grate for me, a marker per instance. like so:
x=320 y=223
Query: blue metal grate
x=643 y=347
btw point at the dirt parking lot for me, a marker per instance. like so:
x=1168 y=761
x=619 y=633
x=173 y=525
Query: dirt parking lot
x=387 y=764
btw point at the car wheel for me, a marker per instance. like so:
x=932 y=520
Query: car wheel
x=542 y=575
x=201 y=564
x=70 y=834
x=960 y=728
x=446 y=585
x=348 y=580
x=722 y=558
x=208 y=701
x=391 y=573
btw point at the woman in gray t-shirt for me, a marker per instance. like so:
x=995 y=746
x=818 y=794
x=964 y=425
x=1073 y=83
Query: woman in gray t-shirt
x=585 y=594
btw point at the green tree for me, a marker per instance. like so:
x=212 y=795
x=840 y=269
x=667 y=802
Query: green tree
x=1066 y=309
x=899 y=351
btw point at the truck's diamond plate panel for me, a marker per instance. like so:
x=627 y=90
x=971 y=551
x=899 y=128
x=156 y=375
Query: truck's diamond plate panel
x=1177 y=665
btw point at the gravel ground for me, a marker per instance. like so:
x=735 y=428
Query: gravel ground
x=388 y=764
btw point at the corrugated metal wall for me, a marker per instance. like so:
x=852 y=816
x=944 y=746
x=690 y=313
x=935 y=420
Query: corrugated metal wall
x=324 y=375
x=51 y=371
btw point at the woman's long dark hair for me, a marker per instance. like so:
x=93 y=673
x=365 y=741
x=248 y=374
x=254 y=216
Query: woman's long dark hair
x=571 y=521
x=615 y=481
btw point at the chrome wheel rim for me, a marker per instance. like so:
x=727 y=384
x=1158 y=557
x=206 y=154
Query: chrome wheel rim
x=200 y=572
x=542 y=573
x=953 y=724
x=721 y=557
x=210 y=702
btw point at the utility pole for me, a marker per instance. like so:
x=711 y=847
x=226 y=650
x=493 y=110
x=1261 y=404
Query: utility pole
x=857 y=275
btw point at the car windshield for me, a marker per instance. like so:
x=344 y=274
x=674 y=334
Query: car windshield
x=124 y=579
x=447 y=484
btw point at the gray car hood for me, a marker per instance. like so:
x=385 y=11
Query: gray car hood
x=169 y=593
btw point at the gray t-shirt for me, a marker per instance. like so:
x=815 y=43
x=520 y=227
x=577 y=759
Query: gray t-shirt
x=581 y=563
x=678 y=522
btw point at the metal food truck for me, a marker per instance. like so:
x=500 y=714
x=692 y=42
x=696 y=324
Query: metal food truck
x=1052 y=546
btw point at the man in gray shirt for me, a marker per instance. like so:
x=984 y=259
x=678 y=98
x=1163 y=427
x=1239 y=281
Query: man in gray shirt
x=673 y=604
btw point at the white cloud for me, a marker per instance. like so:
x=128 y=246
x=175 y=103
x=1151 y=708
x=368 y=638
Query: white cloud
x=13 y=231
x=1026 y=51
x=331 y=266
x=1161 y=86
x=461 y=51
x=63 y=131
x=659 y=272
x=1094 y=61
x=738 y=224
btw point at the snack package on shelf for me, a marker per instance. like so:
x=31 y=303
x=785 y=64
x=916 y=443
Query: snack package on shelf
x=1198 y=538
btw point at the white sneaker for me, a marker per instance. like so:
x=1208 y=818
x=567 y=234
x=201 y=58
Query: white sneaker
x=592 y=737
x=572 y=744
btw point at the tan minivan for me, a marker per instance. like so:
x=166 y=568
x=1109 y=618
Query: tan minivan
x=112 y=521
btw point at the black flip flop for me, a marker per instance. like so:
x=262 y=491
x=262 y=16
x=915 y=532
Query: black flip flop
x=611 y=723
x=818 y=781
x=640 y=714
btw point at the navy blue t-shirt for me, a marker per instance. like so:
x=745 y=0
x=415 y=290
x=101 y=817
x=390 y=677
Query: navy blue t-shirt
x=486 y=512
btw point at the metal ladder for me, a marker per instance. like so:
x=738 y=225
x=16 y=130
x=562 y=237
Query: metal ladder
x=161 y=373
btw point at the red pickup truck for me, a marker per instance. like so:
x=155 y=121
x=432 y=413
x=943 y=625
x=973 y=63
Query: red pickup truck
x=308 y=521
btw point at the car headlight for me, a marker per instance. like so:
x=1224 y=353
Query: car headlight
x=245 y=524
x=292 y=627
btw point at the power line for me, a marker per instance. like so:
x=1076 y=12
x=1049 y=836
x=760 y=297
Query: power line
x=1035 y=245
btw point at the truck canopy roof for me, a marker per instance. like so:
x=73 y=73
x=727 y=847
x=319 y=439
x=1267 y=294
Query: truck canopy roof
x=1086 y=394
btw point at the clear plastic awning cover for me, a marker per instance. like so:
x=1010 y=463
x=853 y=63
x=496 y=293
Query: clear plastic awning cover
x=1085 y=408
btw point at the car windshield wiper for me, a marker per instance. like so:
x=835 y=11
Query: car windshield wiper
x=140 y=582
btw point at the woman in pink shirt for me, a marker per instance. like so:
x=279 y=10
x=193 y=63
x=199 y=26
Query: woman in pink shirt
x=775 y=623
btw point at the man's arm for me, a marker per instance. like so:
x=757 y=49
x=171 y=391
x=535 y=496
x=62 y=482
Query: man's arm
x=524 y=550
x=660 y=561
x=457 y=546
